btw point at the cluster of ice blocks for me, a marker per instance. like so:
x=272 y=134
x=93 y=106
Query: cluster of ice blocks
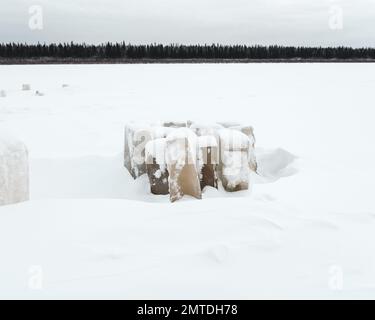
x=182 y=158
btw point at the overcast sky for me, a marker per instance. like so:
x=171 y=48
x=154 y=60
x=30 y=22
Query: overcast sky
x=285 y=22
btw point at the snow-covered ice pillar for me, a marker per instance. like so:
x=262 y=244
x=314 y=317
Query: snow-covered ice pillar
x=249 y=131
x=181 y=156
x=136 y=138
x=234 y=169
x=156 y=166
x=14 y=171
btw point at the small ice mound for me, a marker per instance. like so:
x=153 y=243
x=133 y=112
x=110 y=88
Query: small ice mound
x=275 y=164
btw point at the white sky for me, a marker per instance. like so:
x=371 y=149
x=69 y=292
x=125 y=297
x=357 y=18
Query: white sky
x=285 y=22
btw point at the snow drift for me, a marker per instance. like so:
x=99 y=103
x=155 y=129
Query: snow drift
x=95 y=232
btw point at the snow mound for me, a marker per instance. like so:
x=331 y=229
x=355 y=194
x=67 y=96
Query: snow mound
x=275 y=164
x=14 y=170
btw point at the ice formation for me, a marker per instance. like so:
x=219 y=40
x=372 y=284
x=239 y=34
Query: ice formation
x=137 y=135
x=182 y=158
x=234 y=168
x=249 y=131
x=14 y=171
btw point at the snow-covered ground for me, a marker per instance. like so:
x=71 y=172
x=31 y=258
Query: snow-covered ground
x=307 y=229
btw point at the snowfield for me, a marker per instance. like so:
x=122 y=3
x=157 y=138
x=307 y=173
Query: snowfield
x=305 y=230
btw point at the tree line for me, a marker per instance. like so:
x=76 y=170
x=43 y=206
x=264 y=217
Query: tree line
x=174 y=51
